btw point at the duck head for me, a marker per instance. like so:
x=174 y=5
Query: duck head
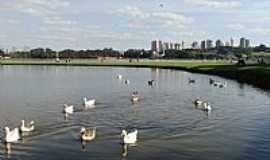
x=6 y=130
x=32 y=123
x=82 y=130
x=124 y=133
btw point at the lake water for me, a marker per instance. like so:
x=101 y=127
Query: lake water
x=169 y=125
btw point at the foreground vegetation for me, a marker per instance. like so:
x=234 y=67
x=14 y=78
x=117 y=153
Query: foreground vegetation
x=255 y=74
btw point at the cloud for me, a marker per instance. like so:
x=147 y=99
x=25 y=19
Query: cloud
x=138 y=17
x=54 y=20
x=261 y=31
x=236 y=27
x=35 y=7
x=215 y=4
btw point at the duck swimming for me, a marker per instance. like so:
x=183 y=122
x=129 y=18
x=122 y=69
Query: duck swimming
x=129 y=138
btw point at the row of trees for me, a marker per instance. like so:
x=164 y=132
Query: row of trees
x=221 y=52
x=67 y=53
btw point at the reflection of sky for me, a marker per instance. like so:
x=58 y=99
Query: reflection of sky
x=168 y=123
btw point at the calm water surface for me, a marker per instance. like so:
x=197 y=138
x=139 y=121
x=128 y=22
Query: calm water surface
x=169 y=125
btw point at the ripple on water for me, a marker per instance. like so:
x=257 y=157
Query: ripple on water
x=169 y=125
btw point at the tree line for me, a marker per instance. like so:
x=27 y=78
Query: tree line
x=213 y=53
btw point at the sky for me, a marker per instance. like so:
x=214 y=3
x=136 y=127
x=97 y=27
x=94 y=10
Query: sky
x=124 y=24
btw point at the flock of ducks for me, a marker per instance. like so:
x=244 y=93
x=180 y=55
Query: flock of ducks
x=89 y=134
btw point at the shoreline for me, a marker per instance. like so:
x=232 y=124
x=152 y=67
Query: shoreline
x=253 y=74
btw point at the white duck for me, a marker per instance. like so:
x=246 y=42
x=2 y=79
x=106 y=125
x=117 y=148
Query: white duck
x=135 y=97
x=119 y=76
x=129 y=138
x=89 y=103
x=27 y=127
x=207 y=107
x=68 y=109
x=198 y=102
x=88 y=134
x=11 y=136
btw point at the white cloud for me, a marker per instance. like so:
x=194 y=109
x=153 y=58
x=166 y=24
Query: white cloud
x=35 y=7
x=54 y=20
x=261 y=31
x=138 y=17
x=215 y=4
x=236 y=27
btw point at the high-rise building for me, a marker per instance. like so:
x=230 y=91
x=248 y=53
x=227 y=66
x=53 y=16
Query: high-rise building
x=247 y=43
x=219 y=43
x=177 y=46
x=195 y=45
x=160 y=46
x=203 y=45
x=242 y=42
x=171 y=46
x=183 y=45
x=166 y=46
x=209 y=44
x=156 y=46
x=232 y=42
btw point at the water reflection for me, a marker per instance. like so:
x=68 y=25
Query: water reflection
x=124 y=150
x=83 y=146
x=166 y=115
x=7 y=150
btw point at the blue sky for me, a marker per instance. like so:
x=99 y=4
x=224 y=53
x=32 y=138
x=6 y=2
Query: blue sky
x=123 y=24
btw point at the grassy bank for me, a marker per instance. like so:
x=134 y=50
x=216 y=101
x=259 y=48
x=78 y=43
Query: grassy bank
x=257 y=75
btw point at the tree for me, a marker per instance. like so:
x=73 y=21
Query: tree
x=38 y=53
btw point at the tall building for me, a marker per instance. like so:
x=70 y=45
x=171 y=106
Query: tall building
x=166 y=46
x=242 y=42
x=232 y=42
x=171 y=46
x=209 y=44
x=203 y=45
x=183 y=45
x=195 y=45
x=247 y=43
x=156 y=46
x=219 y=43
x=227 y=44
x=160 y=46
x=177 y=46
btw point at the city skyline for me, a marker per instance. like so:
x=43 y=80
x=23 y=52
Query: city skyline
x=122 y=24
